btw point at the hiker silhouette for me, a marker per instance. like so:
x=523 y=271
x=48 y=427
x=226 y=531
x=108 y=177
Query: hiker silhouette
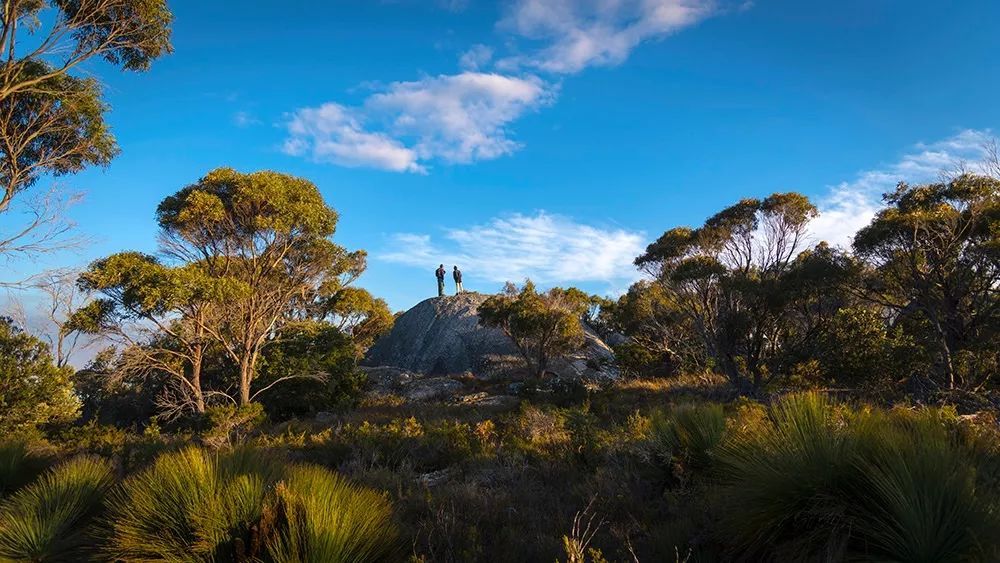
x=440 y=277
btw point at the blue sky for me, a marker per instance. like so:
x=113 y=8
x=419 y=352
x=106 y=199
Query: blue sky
x=545 y=138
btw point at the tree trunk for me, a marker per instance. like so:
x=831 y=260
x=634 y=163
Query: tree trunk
x=199 y=397
x=246 y=375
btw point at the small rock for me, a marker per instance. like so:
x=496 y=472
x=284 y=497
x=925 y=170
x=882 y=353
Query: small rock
x=434 y=477
x=325 y=417
x=431 y=388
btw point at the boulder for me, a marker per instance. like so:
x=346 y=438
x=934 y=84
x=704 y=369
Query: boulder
x=442 y=336
x=431 y=389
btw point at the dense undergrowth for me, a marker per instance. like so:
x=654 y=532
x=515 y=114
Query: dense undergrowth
x=657 y=475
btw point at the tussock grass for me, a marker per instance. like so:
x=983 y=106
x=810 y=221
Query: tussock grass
x=191 y=504
x=243 y=505
x=19 y=465
x=690 y=431
x=48 y=519
x=812 y=482
x=325 y=518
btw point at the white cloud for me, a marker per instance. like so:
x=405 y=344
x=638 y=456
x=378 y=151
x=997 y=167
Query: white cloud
x=849 y=206
x=458 y=118
x=549 y=249
x=466 y=117
x=476 y=57
x=331 y=133
x=577 y=34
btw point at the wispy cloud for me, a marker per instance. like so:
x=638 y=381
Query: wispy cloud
x=458 y=118
x=549 y=249
x=467 y=116
x=576 y=34
x=244 y=119
x=478 y=56
x=851 y=205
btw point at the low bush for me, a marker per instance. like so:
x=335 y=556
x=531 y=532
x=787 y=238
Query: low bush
x=813 y=482
x=244 y=505
x=19 y=465
x=48 y=519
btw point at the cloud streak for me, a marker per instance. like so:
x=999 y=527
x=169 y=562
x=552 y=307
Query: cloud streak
x=467 y=116
x=577 y=34
x=851 y=205
x=549 y=249
x=460 y=118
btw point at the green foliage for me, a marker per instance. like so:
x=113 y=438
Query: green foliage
x=315 y=349
x=325 y=518
x=932 y=254
x=33 y=391
x=226 y=424
x=53 y=121
x=661 y=340
x=812 y=481
x=47 y=520
x=724 y=281
x=543 y=326
x=690 y=432
x=271 y=234
x=19 y=465
x=197 y=506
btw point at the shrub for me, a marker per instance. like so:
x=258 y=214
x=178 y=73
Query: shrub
x=691 y=431
x=47 y=519
x=244 y=505
x=810 y=483
x=228 y=424
x=324 y=518
x=35 y=391
x=19 y=465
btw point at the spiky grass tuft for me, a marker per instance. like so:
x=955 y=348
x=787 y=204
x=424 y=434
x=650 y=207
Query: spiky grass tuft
x=810 y=483
x=48 y=519
x=326 y=518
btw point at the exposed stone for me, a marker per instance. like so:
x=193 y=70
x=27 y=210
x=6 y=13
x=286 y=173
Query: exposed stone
x=387 y=379
x=431 y=388
x=442 y=336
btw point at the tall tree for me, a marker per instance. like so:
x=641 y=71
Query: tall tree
x=51 y=119
x=934 y=253
x=543 y=325
x=157 y=312
x=268 y=232
x=726 y=276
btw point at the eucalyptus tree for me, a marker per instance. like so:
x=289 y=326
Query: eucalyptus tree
x=543 y=325
x=270 y=233
x=726 y=279
x=159 y=313
x=934 y=257
x=51 y=111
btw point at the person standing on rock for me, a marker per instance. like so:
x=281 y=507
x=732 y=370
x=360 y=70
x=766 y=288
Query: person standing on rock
x=440 y=276
x=457 y=274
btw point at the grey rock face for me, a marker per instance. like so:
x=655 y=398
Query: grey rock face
x=442 y=336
